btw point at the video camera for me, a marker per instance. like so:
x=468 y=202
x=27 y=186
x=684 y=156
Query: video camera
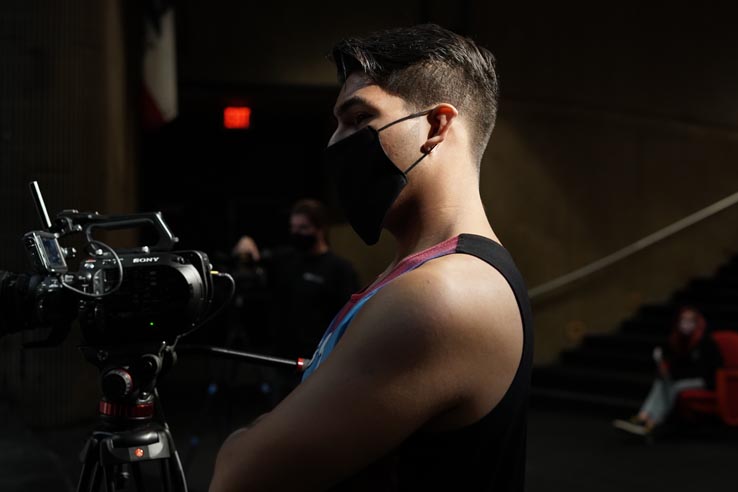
x=119 y=296
x=133 y=306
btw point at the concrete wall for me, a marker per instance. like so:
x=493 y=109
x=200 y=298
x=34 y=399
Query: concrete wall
x=614 y=123
x=572 y=187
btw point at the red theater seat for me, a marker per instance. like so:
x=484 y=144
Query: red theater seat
x=723 y=401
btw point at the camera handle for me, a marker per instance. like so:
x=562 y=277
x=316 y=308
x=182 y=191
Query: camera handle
x=71 y=221
x=165 y=242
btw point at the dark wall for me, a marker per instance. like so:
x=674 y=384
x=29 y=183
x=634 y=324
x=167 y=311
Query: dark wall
x=659 y=60
x=65 y=120
x=215 y=184
x=615 y=122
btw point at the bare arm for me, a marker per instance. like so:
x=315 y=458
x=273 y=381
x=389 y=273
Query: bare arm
x=397 y=368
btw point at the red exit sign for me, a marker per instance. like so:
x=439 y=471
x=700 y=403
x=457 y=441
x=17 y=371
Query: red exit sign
x=237 y=117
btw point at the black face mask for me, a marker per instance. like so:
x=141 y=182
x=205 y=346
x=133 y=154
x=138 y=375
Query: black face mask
x=303 y=242
x=367 y=181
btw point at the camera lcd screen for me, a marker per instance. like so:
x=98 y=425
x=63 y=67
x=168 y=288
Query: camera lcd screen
x=53 y=252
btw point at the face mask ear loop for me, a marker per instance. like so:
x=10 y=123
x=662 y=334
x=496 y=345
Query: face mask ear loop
x=416 y=162
x=408 y=117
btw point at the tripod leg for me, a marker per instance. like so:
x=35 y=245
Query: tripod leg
x=89 y=477
x=83 y=485
x=177 y=471
x=109 y=475
x=174 y=465
x=89 y=481
x=96 y=477
x=166 y=477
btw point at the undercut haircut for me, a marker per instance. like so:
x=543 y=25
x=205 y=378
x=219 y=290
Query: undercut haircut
x=426 y=65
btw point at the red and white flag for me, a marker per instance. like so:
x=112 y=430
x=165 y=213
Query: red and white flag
x=159 y=65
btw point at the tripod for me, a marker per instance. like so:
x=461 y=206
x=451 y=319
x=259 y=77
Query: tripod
x=111 y=449
x=131 y=429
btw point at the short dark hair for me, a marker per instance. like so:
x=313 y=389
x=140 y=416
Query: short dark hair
x=314 y=210
x=427 y=64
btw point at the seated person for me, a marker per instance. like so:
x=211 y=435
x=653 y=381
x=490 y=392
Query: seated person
x=688 y=362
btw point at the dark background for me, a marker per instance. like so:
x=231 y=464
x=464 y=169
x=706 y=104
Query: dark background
x=268 y=167
x=616 y=119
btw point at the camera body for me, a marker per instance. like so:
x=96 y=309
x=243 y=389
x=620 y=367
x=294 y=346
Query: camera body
x=119 y=296
x=162 y=295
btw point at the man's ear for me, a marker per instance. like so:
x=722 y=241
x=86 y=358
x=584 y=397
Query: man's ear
x=440 y=118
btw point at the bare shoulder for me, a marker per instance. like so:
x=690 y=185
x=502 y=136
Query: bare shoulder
x=461 y=313
x=460 y=290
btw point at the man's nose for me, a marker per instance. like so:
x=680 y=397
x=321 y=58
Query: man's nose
x=334 y=138
x=340 y=134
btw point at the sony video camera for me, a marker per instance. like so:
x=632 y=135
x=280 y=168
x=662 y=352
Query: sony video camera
x=119 y=296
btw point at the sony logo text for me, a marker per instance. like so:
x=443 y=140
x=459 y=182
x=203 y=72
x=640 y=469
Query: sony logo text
x=151 y=259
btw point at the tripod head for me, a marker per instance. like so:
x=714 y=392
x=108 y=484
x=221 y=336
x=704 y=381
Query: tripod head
x=132 y=428
x=128 y=378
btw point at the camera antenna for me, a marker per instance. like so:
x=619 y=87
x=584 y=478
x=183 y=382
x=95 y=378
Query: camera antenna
x=40 y=205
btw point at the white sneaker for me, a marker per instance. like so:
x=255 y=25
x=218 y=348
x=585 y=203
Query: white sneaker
x=631 y=427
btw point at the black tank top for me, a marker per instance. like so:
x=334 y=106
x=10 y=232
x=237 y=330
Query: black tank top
x=488 y=455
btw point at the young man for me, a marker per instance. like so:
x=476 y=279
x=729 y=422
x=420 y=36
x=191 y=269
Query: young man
x=421 y=381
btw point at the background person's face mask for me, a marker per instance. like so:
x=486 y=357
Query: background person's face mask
x=303 y=242
x=367 y=181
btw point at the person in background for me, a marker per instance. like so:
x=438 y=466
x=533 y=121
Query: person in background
x=688 y=361
x=309 y=283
